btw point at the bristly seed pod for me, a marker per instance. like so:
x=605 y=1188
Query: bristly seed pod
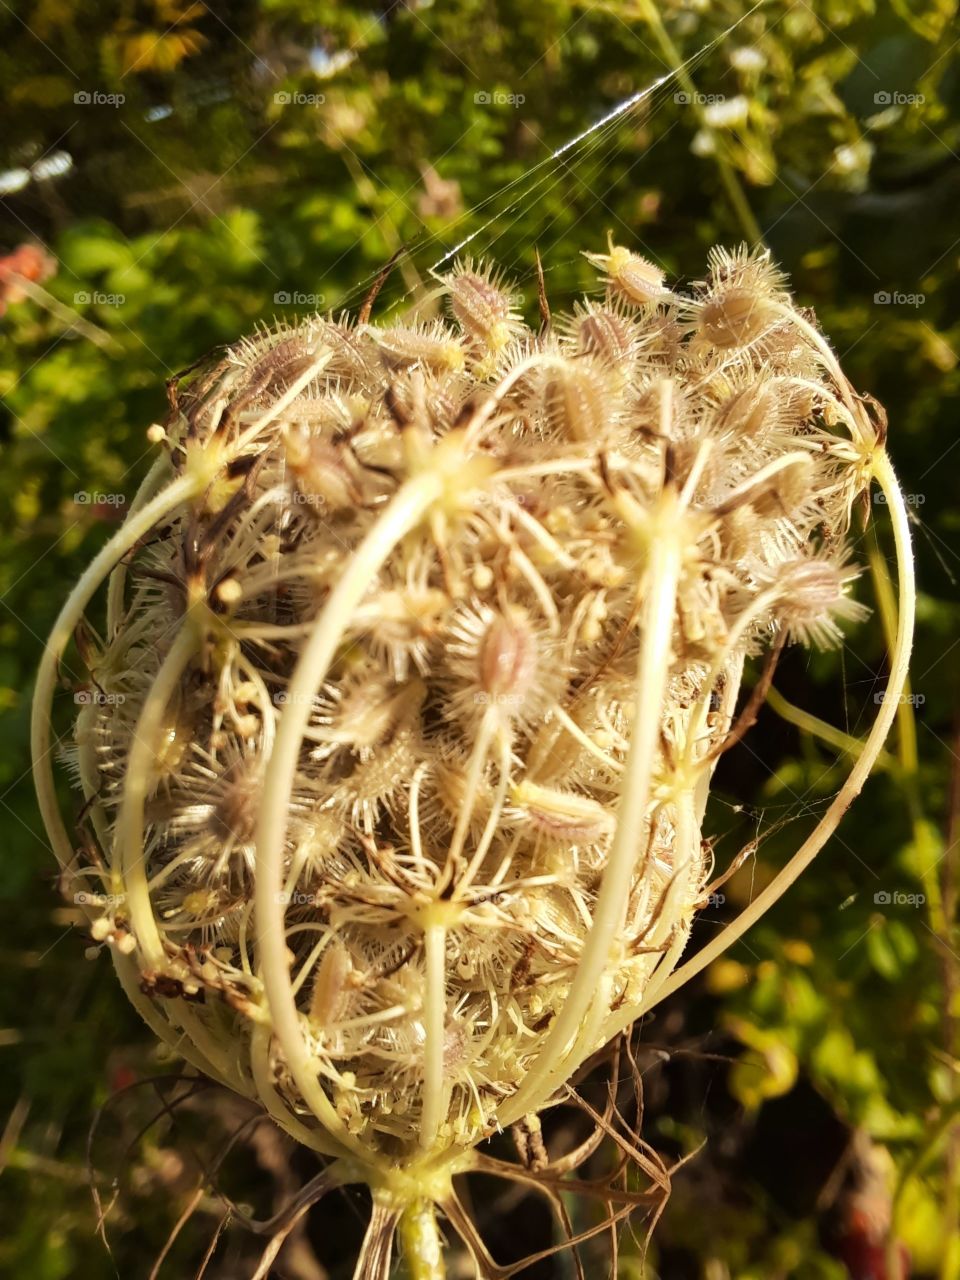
x=575 y=401
x=433 y=347
x=734 y=318
x=392 y=806
x=329 y=996
x=606 y=334
x=630 y=276
x=507 y=658
x=814 y=599
x=564 y=816
x=483 y=307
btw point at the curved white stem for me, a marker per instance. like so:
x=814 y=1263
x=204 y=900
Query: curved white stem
x=493 y=818
x=434 y=1025
x=475 y=769
x=720 y=663
x=181 y=489
x=585 y=741
x=118 y=578
x=128 y=862
x=128 y=858
x=177 y=1041
x=271 y=1099
x=405 y=511
x=899 y=663
x=553 y=1062
x=288 y=397
x=830 y=360
x=204 y=1053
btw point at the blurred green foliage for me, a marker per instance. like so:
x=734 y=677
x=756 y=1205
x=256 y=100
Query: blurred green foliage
x=268 y=158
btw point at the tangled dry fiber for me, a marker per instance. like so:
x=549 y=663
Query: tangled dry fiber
x=422 y=642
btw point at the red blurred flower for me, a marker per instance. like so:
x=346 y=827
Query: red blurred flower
x=26 y=262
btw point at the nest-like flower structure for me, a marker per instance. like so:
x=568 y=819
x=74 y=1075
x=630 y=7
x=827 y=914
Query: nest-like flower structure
x=397 y=741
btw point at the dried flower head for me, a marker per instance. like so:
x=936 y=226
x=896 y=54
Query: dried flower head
x=424 y=643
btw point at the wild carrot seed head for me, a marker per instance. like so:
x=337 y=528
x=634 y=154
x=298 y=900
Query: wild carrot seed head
x=464 y=760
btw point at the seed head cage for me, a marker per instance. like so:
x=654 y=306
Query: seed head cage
x=422 y=641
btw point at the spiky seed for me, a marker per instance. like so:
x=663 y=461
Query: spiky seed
x=634 y=278
x=735 y=318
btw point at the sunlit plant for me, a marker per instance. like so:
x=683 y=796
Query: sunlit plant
x=421 y=644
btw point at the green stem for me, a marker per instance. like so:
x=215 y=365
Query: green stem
x=66 y=315
x=421 y=1241
x=887 y=608
x=818 y=728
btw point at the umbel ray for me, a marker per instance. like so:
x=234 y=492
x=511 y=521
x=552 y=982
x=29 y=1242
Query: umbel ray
x=421 y=643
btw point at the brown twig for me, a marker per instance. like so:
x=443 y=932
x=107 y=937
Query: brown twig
x=363 y=316
x=748 y=716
